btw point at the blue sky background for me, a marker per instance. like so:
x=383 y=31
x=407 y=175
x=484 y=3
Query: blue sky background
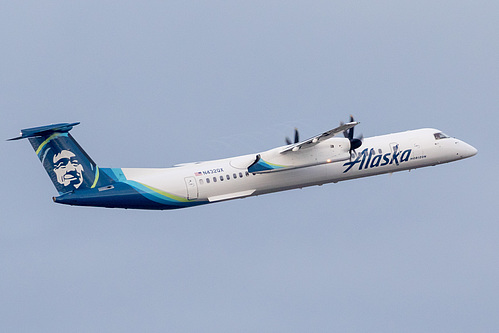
x=158 y=83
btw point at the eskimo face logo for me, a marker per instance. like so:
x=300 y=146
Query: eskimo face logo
x=68 y=169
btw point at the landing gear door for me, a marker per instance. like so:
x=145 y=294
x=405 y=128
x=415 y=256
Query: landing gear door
x=192 y=188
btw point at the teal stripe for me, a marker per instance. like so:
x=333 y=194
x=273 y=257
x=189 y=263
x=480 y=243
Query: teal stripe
x=115 y=174
x=162 y=197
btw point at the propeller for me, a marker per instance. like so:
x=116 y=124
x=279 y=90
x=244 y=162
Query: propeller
x=354 y=142
x=297 y=138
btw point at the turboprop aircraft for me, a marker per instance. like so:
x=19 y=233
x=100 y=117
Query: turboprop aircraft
x=324 y=158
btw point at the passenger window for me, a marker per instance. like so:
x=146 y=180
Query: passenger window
x=234 y=176
x=207 y=180
x=247 y=173
x=200 y=182
x=214 y=179
x=228 y=177
x=221 y=178
x=240 y=175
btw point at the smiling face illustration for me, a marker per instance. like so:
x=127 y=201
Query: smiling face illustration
x=68 y=169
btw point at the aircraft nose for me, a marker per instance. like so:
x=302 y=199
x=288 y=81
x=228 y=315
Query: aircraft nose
x=466 y=150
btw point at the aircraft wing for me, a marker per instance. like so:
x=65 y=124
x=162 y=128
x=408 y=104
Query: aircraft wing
x=318 y=138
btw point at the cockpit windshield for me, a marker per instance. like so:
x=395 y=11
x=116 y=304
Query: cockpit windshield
x=440 y=135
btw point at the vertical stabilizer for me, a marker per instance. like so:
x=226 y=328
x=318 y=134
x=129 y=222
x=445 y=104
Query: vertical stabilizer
x=67 y=164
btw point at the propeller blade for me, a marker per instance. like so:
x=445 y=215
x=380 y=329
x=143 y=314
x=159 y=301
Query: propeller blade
x=288 y=141
x=350 y=132
x=297 y=136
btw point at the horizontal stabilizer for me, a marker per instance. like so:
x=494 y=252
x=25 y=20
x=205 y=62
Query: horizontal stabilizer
x=44 y=130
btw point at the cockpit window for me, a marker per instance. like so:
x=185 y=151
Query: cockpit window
x=440 y=135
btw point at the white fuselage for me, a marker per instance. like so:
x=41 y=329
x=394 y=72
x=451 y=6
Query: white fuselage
x=228 y=178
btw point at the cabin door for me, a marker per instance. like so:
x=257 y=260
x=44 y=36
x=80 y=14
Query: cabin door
x=192 y=188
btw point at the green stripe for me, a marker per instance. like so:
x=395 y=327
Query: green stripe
x=168 y=195
x=96 y=177
x=40 y=147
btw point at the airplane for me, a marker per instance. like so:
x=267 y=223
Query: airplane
x=324 y=158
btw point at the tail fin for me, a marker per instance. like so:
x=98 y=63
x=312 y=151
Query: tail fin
x=67 y=164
